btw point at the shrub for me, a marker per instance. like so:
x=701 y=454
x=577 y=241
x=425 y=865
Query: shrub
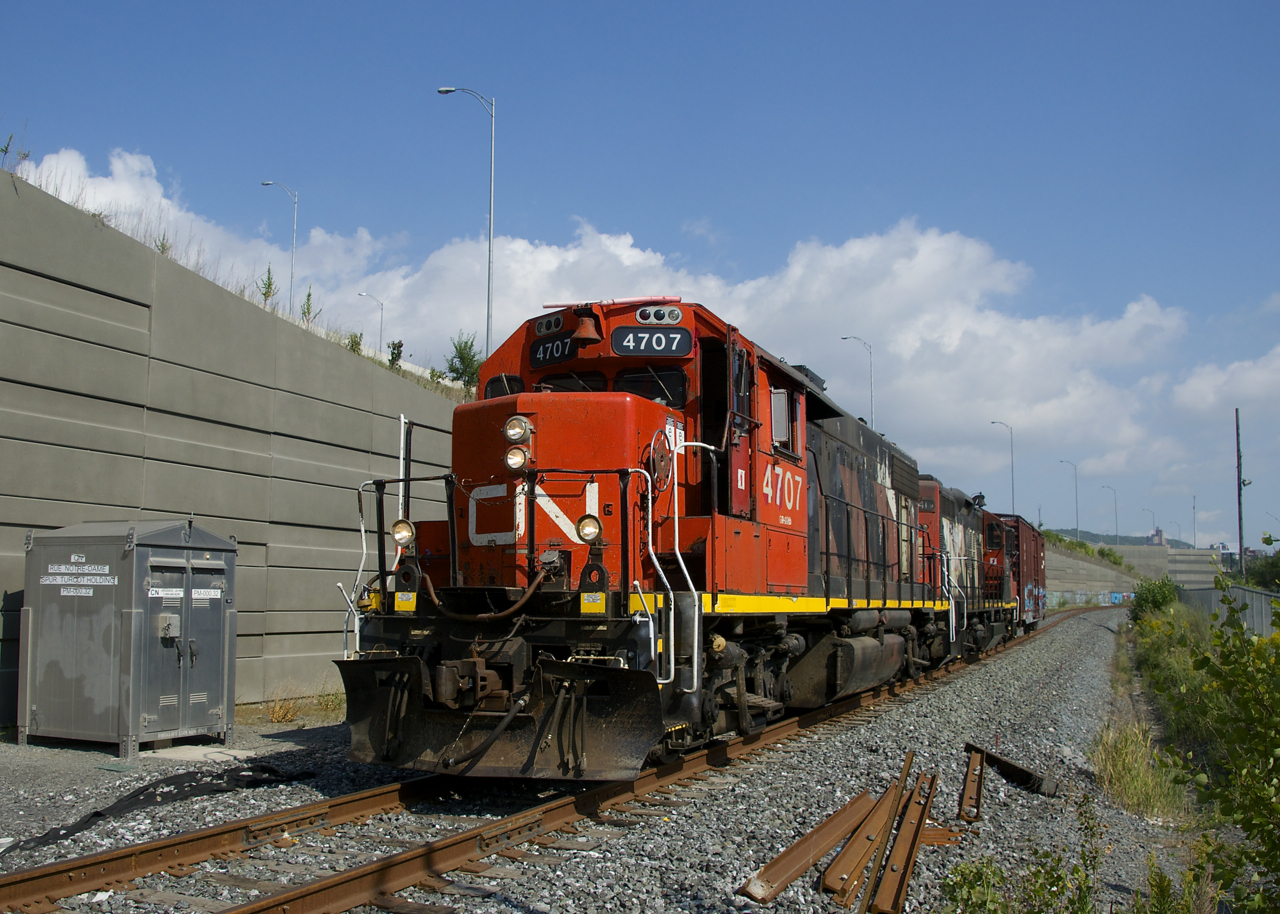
x=1152 y=596
x=1111 y=556
x=1242 y=670
x=1166 y=649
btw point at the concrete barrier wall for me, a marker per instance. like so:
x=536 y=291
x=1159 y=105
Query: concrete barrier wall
x=1194 y=568
x=132 y=388
x=1072 y=578
x=1149 y=561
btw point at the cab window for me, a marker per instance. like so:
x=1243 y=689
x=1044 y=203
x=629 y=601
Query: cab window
x=573 y=382
x=662 y=385
x=995 y=539
x=503 y=385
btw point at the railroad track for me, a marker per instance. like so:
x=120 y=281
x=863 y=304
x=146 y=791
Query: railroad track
x=597 y=812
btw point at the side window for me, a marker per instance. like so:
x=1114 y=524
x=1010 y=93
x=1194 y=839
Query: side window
x=783 y=418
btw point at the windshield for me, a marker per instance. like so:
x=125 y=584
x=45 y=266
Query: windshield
x=663 y=385
x=573 y=382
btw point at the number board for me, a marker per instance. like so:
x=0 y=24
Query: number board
x=676 y=341
x=552 y=349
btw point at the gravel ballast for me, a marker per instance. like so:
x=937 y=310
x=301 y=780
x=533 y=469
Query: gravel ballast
x=1042 y=703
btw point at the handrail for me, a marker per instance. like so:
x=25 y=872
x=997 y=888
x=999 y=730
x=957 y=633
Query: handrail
x=655 y=642
x=697 y=600
x=882 y=566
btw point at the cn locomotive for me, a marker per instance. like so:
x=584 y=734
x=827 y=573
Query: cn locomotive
x=655 y=533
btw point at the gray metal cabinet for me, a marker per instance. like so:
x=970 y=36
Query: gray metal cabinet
x=128 y=635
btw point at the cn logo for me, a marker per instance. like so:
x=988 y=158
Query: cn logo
x=742 y=479
x=500 y=493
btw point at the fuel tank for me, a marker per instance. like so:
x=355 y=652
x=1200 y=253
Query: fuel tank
x=837 y=667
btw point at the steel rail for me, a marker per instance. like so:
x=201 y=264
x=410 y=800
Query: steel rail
x=38 y=889
x=891 y=893
x=774 y=877
x=844 y=875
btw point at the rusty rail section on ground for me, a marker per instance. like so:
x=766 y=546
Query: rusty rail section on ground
x=37 y=890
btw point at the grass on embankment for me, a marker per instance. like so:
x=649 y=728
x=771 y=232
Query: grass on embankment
x=1125 y=753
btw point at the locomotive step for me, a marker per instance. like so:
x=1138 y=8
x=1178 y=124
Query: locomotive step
x=754 y=702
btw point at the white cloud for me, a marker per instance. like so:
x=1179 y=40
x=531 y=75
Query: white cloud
x=951 y=351
x=1253 y=382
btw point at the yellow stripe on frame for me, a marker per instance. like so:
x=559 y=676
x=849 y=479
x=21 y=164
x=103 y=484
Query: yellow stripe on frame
x=652 y=600
x=753 y=603
x=734 y=603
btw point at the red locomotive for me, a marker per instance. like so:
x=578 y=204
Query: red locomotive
x=653 y=533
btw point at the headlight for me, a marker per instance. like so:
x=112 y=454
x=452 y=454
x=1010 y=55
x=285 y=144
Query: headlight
x=517 y=457
x=588 y=527
x=517 y=429
x=402 y=532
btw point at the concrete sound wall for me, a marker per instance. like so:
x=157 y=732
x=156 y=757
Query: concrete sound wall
x=132 y=388
x=1072 y=578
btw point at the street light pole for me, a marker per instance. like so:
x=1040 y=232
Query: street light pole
x=1013 y=502
x=490 y=105
x=1115 y=503
x=367 y=295
x=1241 y=482
x=1075 y=476
x=293 y=251
x=871 y=361
x=1179 y=526
x=1153 y=520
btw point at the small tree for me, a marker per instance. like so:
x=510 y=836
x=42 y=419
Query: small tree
x=464 y=363
x=395 y=348
x=309 y=311
x=268 y=288
x=355 y=343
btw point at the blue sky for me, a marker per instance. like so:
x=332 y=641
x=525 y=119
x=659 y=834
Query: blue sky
x=946 y=180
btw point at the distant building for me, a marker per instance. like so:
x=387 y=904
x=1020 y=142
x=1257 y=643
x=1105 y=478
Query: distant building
x=1157 y=538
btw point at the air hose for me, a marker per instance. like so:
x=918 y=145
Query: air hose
x=492 y=737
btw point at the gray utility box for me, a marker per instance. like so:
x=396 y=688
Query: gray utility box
x=128 y=634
